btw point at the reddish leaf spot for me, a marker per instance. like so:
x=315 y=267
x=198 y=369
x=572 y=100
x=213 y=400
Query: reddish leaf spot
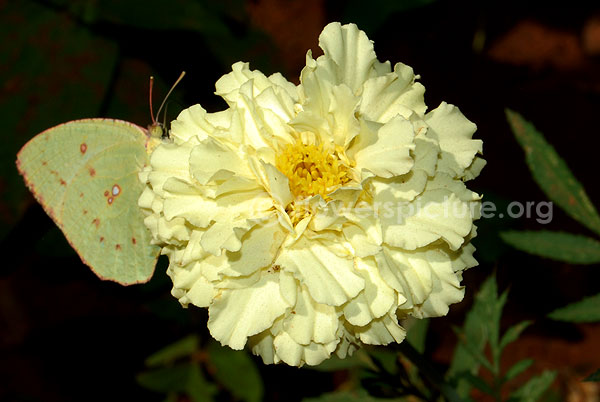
x=106 y=193
x=133 y=240
x=101 y=239
x=572 y=200
x=83 y=148
x=54 y=172
x=110 y=200
x=96 y=222
x=62 y=182
x=85 y=211
x=44 y=163
x=92 y=172
x=80 y=195
x=116 y=190
x=118 y=247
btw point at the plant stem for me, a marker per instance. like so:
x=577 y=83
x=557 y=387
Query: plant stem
x=429 y=371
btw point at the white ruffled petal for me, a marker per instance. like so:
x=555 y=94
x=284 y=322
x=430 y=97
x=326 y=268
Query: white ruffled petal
x=351 y=51
x=454 y=133
x=393 y=94
x=237 y=314
x=211 y=160
x=296 y=354
x=436 y=214
x=330 y=279
x=374 y=301
x=310 y=321
x=385 y=152
x=382 y=331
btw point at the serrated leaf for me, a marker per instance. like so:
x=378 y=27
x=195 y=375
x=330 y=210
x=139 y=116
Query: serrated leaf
x=552 y=174
x=477 y=382
x=236 y=371
x=513 y=333
x=517 y=369
x=477 y=354
x=534 y=388
x=177 y=350
x=480 y=321
x=595 y=376
x=560 y=246
x=586 y=310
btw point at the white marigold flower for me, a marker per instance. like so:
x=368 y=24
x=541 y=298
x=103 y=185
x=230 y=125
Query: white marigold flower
x=310 y=219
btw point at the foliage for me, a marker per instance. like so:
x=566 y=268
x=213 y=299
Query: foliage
x=554 y=177
x=481 y=329
x=202 y=373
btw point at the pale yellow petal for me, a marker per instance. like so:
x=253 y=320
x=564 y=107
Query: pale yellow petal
x=395 y=93
x=454 y=133
x=351 y=51
x=330 y=279
x=382 y=331
x=385 y=152
x=236 y=314
x=374 y=301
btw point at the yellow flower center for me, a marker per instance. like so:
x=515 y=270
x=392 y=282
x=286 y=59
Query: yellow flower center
x=311 y=170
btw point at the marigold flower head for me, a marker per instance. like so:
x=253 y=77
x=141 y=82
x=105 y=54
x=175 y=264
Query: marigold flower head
x=310 y=219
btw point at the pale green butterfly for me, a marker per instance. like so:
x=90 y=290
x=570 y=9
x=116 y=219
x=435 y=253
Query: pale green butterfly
x=84 y=173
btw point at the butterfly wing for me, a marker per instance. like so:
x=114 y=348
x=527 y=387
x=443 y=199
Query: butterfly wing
x=84 y=173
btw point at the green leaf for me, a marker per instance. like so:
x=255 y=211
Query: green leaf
x=517 y=369
x=534 y=388
x=236 y=371
x=477 y=354
x=478 y=383
x=595 y=376
x=552 y=174
x=561 y=246
x=197 y=388
x=417 y=333
x=586 y=310
x=513 y=333
x=481 y=321
x=349 y=396
x=184 y=378
x=177 y=350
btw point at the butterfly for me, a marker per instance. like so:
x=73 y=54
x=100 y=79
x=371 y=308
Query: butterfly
x=84 y=173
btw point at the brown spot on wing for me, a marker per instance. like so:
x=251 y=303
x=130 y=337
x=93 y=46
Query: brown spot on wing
x=133 y=240
x=62 y=182
x=44 y=163
x=92 y=171
x=118 y=247
x=83 y=148
x=106 y=193
x=85 y=211
x=101 y=239
x=96 y=222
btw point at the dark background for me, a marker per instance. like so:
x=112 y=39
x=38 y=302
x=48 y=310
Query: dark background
x=65 y=335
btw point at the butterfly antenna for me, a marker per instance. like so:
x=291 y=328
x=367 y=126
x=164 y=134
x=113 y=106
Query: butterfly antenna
x=169 y=93
x=165 y=119
x=150 y=100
